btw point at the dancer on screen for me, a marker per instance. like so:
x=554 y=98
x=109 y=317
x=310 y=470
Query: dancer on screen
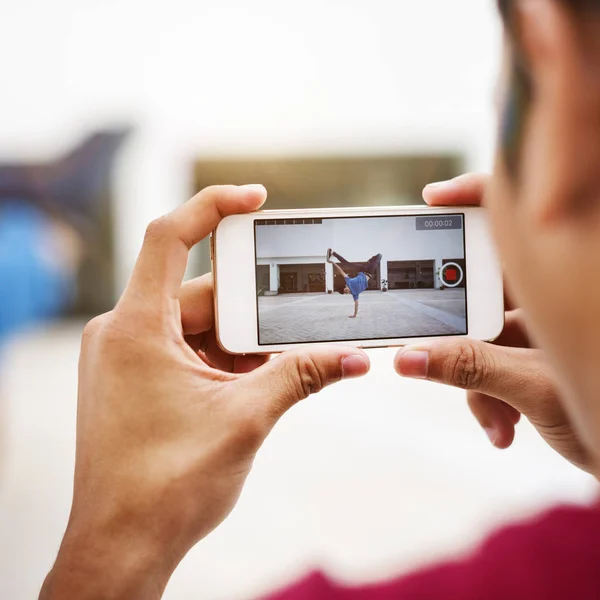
x=360 y=282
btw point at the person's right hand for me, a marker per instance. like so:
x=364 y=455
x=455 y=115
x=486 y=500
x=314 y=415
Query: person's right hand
x=503 y=380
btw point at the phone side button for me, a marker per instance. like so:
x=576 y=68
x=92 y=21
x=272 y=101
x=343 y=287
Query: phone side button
x=211 y=243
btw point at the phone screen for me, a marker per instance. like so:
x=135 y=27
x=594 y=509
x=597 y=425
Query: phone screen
x=360 y=278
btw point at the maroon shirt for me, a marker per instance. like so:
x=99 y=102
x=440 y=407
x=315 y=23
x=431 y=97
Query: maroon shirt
x=556 y=557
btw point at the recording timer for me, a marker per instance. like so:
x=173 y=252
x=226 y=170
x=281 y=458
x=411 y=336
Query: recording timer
x=439 y=222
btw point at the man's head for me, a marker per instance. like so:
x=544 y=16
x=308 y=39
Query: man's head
x=545 y=196
x=346 y=290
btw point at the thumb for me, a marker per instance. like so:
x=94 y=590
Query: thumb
x=295 y=375
x=515 y=375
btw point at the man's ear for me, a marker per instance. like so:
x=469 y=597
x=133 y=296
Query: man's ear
x=561 y=50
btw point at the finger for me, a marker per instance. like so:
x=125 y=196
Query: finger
x=295 y=375
x=496 y=418
x=515 y=333
x=509 y=304
x=205 y=345
x=463 y=190
x=515 y=375
x=217 y=357
x=160 y=267
x=197 y=305
x=249 y=363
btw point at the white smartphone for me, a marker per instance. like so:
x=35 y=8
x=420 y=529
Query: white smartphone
x=369 y=277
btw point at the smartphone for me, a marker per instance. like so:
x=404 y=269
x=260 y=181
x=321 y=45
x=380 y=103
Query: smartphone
x=369 y=277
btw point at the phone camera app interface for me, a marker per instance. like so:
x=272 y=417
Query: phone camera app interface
x=354 y=278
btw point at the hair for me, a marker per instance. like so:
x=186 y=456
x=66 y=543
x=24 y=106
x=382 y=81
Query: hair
x=520 y=91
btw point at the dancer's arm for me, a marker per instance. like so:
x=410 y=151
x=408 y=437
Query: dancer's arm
x=355 y=310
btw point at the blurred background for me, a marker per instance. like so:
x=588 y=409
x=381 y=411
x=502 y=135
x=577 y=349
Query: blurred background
x=114 y=112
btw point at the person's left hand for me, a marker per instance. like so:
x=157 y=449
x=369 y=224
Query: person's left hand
x=169 y=424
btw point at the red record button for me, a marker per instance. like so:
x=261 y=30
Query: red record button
x=452 y=275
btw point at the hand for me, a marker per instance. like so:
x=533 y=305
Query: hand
x=169 y=424
x=504 y=379
x=352 y=316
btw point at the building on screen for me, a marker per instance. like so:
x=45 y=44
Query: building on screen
x=291 y=254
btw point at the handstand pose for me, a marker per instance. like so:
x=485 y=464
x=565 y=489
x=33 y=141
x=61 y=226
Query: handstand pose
x=359 y=283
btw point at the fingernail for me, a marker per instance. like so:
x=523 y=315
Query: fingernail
x=353 y=366
x=437 y=184
x=492 y=434
x=413 y=363
x=255 y=186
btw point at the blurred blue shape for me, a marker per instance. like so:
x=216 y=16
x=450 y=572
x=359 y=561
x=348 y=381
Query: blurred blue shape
x=33 y=287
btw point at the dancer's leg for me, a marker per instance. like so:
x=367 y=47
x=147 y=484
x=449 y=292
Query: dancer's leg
x=347 y=264
x=372 y=264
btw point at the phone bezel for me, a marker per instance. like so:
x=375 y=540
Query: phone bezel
x=234 y=273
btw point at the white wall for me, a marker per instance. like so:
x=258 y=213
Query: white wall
x=357 y=240
x=202 y=77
